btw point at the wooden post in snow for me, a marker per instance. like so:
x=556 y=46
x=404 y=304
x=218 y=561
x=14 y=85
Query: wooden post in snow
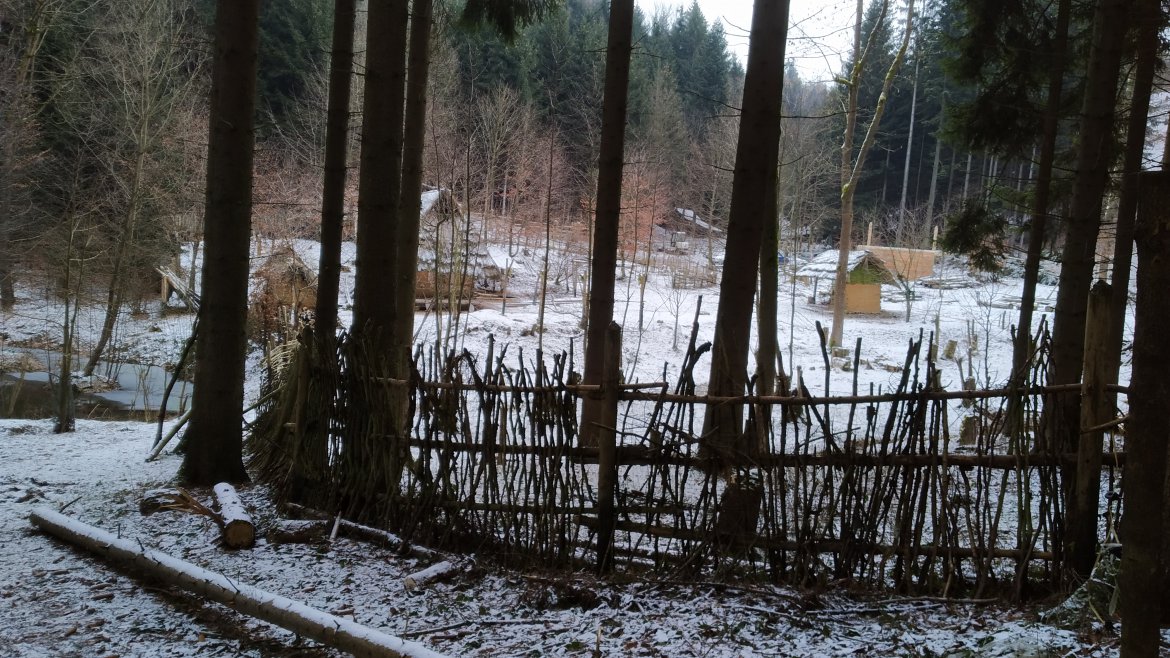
x=1096 y=410
x=606 y=434
x=238 y=529
x=292 y=615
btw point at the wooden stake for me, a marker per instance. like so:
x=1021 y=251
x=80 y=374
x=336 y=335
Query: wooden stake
x=606 y=434
x=1095 y=410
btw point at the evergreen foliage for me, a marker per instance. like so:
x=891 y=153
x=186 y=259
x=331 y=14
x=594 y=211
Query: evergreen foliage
x=294 y=44
x=976 y=232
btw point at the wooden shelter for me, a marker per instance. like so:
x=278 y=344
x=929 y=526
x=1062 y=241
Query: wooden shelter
x=447 y=268
x=866 y=274
x=909 y=264
x=285 y=287
x=679 y=229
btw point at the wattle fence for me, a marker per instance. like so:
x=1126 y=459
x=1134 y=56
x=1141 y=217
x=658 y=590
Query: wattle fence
x=952 y=493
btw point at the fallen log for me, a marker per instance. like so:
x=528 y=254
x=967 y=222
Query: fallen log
x=435 y=572
x=297 y=532
x=284 y=612
x=366 y=533
x=237 y=527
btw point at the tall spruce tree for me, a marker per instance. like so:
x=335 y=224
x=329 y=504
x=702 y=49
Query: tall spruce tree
x=609 y=205
x=752 y=205
x=214 y=437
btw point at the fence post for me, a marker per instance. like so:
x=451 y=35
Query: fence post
x=606 y=433
x=1086 y=502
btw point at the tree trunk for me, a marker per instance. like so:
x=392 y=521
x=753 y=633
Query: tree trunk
x=609 y=204
x=1147 y=20
x=1141 y=582
x=753 y=202
x=909 y=149
x=336 y=160
x=931 y=195
x=766 y=314
x=407 y=235
x=214 y=437
x=66 y=420
x=844 y=242
x=7 y=265
x=379 y=181
x=292 y=615
x=1022 y=349
x=851 y=169
x=1093 y=159
x=35 y=28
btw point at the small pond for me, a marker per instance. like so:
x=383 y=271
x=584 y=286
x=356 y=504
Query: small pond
x=135 y=390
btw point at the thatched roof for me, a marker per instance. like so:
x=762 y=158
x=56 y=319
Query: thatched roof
x=436 y=206
x=285 y=266
x=824 y=266
x=687 y=221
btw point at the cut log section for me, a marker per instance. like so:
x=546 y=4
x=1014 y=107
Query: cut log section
x=292 y=615
x=238 y=530
x=434 y=573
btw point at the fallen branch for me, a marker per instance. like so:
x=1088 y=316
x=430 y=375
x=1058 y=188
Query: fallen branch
x=373 y=535
x=237 y=527
x=292 y=615
x=177 y=500
x=480 y=622
x=161 y=444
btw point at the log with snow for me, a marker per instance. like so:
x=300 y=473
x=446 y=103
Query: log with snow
x=435 y=572
x=273 y=608
x=238 y=529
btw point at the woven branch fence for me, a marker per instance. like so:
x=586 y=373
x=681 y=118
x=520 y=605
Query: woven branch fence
x=916 y=488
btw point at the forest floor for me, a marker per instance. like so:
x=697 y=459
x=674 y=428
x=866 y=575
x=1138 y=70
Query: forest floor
x=57 y=601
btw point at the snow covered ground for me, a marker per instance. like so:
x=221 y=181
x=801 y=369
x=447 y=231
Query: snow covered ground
x=58 y=602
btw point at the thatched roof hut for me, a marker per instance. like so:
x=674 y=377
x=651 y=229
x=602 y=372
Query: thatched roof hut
x=866 y=274
x=286 y=281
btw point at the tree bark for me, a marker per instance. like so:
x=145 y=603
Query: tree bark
x=767 y=312
x=1141 y=582
x=214 y=437
x=851 y=169
x=1022 y=348
x=336 y=161
x=1147 y=19
x=609 y=204
x=379 y=181
x=1093 y=159
x=909 y=147
x=407 y=235
x=288 y=614
x=752 y=202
